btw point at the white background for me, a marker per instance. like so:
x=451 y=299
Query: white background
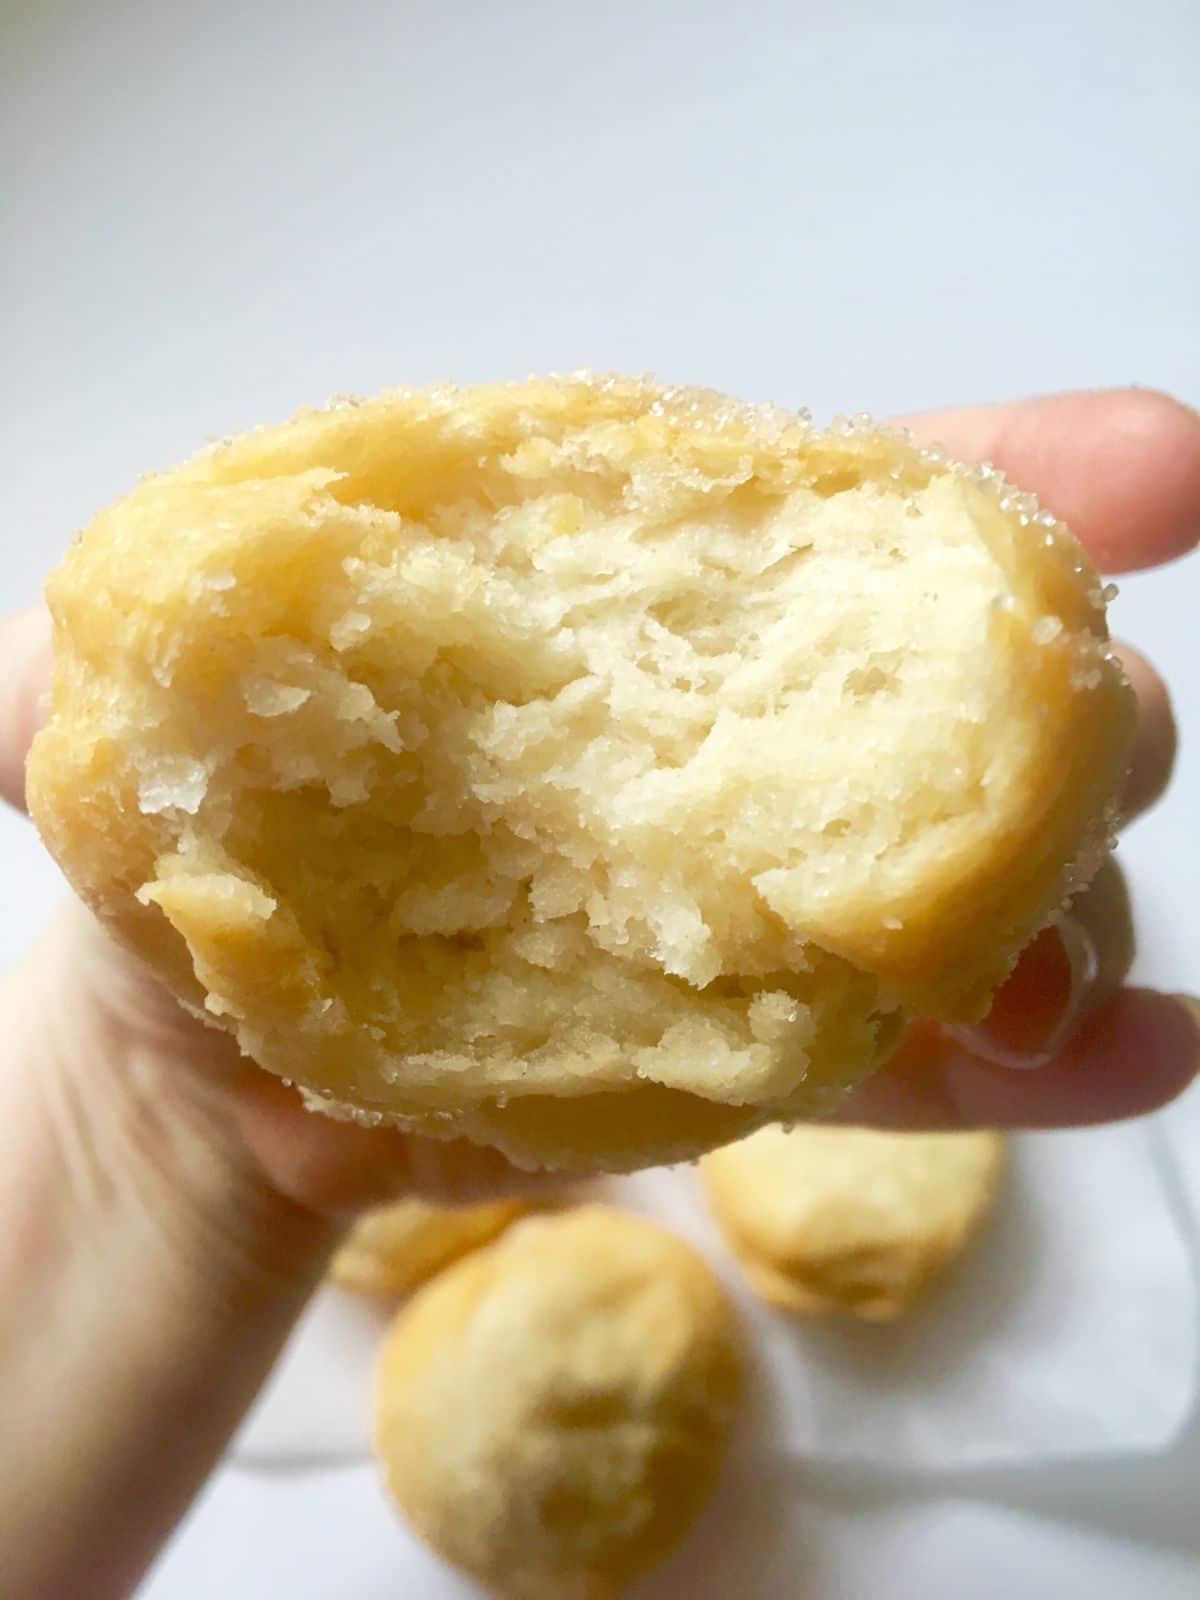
x=212 y=213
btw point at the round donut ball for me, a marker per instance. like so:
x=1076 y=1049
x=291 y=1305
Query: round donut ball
x=552 y=1412
x=391 y=1250
x=844 y=1219
x=588 y=768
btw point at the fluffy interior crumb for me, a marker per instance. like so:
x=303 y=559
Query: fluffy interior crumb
x=546 y=749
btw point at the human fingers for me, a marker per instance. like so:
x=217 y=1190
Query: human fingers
x=119 y=1012
x=1102 y=1052
x=1121 y=467
x=1136 y=1053
x=337 y=1168
x=1072 y=967
x=1065 y=974
x=1152 y=758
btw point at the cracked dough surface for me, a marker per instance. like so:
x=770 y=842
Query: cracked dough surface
x=589 y=768
x=552 y=1412
x=851 y=1220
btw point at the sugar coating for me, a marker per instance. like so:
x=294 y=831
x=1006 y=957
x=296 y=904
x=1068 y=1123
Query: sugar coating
x=592 y=768
x=551 y=1413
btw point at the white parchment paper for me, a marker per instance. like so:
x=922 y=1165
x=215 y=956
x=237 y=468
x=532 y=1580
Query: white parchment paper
x=1070 y=1330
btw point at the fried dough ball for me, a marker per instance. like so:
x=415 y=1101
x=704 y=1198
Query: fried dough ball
x=393 y=1249
x=850 y=1220
x=589 y=768
x=552 y=1412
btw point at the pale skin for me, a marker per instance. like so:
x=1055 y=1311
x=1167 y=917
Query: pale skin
x=169 y=1208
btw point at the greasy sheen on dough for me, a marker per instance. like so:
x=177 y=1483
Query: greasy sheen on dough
x=589 y=768
x=393 y=1249
x=845 y=1219
x=552 y=1412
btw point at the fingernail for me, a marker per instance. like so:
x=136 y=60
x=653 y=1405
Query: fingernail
x=1035 y=1011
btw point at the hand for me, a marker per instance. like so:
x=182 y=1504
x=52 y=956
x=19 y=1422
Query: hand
x=1123 y=469
x=169 y=1207
x=92 y=1009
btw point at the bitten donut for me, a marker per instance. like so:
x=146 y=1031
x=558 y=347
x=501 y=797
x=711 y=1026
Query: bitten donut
x=594 y=769
x=552 y=1412
x=393 y=1249
x=844 y=1219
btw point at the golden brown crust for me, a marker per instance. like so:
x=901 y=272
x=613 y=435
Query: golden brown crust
x=850 y=1220
x=391 y=1250
x=590 y=768
x=551 y=1413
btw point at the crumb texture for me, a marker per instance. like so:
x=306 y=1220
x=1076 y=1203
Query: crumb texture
x=552 y=1412
x=591 y=768
x=850 y=1220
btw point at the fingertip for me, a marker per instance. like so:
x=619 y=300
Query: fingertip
x=1154 y=511
x=339 y=1168
x=1134 y=1055
x=1156 y=736
x=1139 y=1051
x=328 y=1167
x=1121 y=467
